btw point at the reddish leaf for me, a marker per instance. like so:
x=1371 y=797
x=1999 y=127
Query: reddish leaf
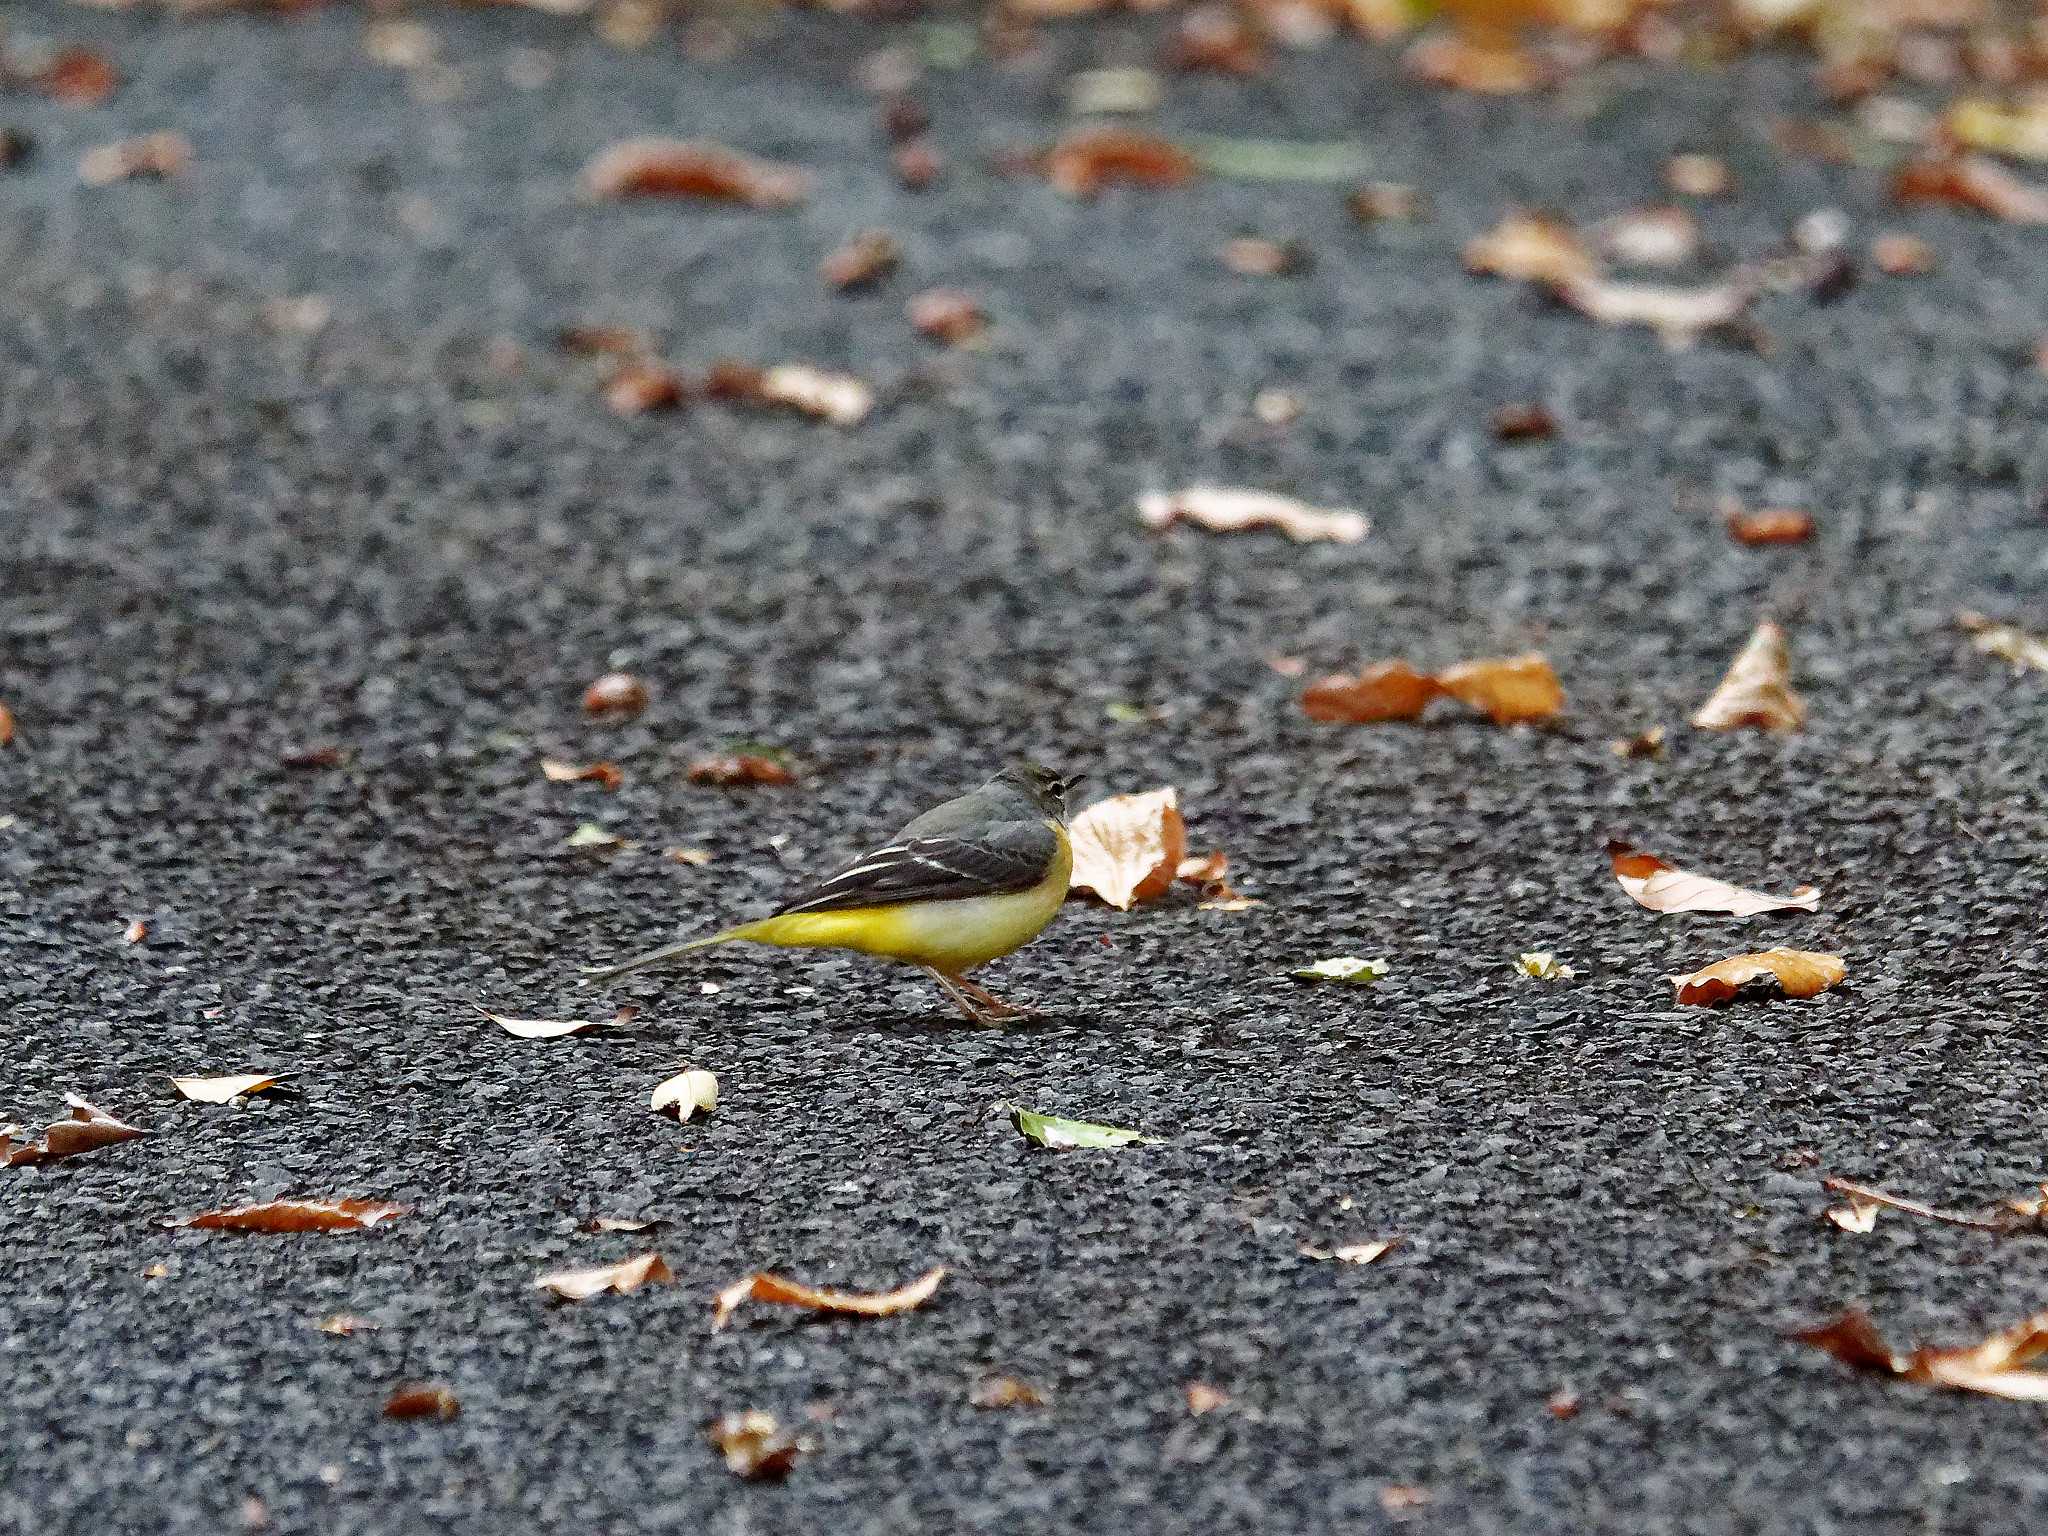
x=605 y=775
x=917 y=165
x=1768 y=525
x=1992 y=1367
x=730 y=770
x=422 y=1402
x=1387 y=690
x=297 y=1216
x=789 y=1293
x=946 y=315
x=1971 y=181
x=79 y=77
x=1519 y=423
x=655 y=167
x=641 y=386
x=865 y=260
x=86 y=1128
x=1088 y=159
x=615 y=693
x=1214 y=37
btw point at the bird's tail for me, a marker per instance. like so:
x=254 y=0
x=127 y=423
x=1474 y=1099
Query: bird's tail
x=592 y=973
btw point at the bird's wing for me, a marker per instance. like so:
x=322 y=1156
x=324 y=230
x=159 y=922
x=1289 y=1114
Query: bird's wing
x=1006 y=856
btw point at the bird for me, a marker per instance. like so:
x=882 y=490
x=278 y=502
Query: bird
x=967 y=882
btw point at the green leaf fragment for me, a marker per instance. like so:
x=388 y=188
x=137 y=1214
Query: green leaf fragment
x=591 y=835
x=1279 y=159
x=1543 y=966
x=1052 y=1131
x=1345 y=968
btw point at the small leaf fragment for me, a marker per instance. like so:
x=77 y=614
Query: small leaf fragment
x=153 y=156
x=1509 y=690
x=1226 y=509
x=1088 y=159
x=946 y=315
x=86 y=1128
x=1527 y=247
x=762 y=1286
x=1757 y=691
x=686 y=1093
x=1768 y=525
x=1352 y=1253
x=657 y=167
x=589 y=834
x=754 y=1446
x=1202 y=1398
x=1542 y=965
x=540 y=1029
x=224 y=1090
x=1348 y=969
x=731 y=770
x=1506 y=689
x=2006 y=641
x=1798 y=972
x=604 y=775
x=615 y=693
x=624 y=1278
x=1661 y=887
x=346 y=1324
x=1006 y=1392
x=1973 y=182
x=296 y=1216
x=423 y=1401
x=868 y=258
x=1387 y=690
x=1858 y=1216
x=1052 y=1131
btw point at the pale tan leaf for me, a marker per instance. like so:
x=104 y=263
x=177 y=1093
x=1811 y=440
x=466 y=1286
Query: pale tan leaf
x=540 y=1029
x=1226 y=509
x=685 y=1093
x=1506 y=689
x=1678 y=315
x=1203 y=1398
x=838 y=398
x=2007 y=642
x=1542 y=965
x=754 y=1446
x=605 y=775
x=296 y=1216
x=1757 y=692
x=1127 y=848
x=222 y=1090
x=790 y=1293
x=1858 y=1216
x=1799 y=972
x=1652 y=883
x=1352 y=1253
x=624 y=1277
x=345 y=1324
x=1530 y=248
x=1648 y=237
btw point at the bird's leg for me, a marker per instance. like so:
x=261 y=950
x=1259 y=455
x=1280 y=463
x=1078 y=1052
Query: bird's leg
x=995 y=1005
x=956 y=989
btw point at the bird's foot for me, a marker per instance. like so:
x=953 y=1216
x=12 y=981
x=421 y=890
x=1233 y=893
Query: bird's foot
x=976 y=1002
x=996 y=1006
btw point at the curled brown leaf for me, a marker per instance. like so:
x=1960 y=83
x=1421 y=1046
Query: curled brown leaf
x=946 y=315
x=1088 y=159
x=86 y=1128
x=1767 y=525
x=422 y=1401
x=657 y=167
x=1992 y=1367
x=615 y=693
x=863 y=261
x=731 y=769
x=1128 y=848
x=604 y=775
x=624 y=1278
x=296 y=1216
x=1798 y=972
x=1973 y=182
x=639 y=386
x=763 y=1286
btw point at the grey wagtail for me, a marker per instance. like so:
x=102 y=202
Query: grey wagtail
x=966 y=883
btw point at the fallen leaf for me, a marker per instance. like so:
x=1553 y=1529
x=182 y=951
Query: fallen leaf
x=345 y=1324
x=1757 y=692
x=1203 y=1398
x=1218 y=39
x=1902 y=255
x=686 y=1093
x=1398 y=1498
x=79 y=77
x=624 y=1277
x=1973 y=182
x=1648 y=743
x=1258 y=256
x=2006 y=642
x=1485 y=65
x=762 y=1286
x=589 y=834
x=1767 y=525
x=657 y=167
x=698 y=857
x=322 y=756
x=422 y=1402
x=296 y=1216
x=1563 y=1404
x=865 y=260
x=1390 y=202
x=1542 y=965
x=1128 y=848
x=1999 y=1220
x=946 y=315
x=157 y=1271
x=86 y=1128
x=754 y=1446
x=6 y=725
x=1799 y=972
x=615 y=693
x=917 y=165
x=1352 y=1253
x=1088 y=159
x=1678 y=315
x=606 y=775
x=1992 y=1367
x=224 y=1090
x=136 y=931
x=1976 y=122
x=620 y=1224
x=1225 y=509
x=1006 y=1392
x=1520 y=423
x=1244 y=159
x=153 y=155
x=729 y=770
x=1662 y=888
x=1530 y=247
x=1345 y=968
x=835 y=397
x=1858 y=1216
x=541 y=1029
x=1696 y=175
x=1648 y=237
x=1052 y=1131
x=640 y=386
x=1506 y=689
x=1387 y=690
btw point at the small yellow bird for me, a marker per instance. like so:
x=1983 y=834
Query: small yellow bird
x=965 y=883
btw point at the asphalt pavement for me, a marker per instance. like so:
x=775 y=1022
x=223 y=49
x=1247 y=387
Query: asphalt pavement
x=400 y=521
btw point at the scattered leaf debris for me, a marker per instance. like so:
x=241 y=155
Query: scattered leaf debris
x=1648 y=237
x=1528 y=247
x=346 y=1324
x=1352 y=1253
x=1857 y=1216
x=1053 y=1131
x=1006 y=1392
x=153 y=156
x=1898 y=255
x=1385 y=202
x=1261 y=256
x=6 y=725
x=605 y=775
x=1992 y=1367
x=1128 y=848
x=624 y=1277
x=1679 y=315
x=946 y=315
x=86 y=1128
x=917 y=165
x=1661 y=887
x=296 y=1216
x=590 y=834
x=1697 y=175
x=1649 y=743
x=729 y=770
x=1757 y=691
x=1216 y=38
x=615 y=693
x=1202 y=1398
x=641 y=385
x=426 y=1401
x=763 y=1286
x=838 y=398
x=657 y=167
x=224 y=1090
x=1767 y=525
x=686 y=1093
x=1507 y=689
x=1086 y=160
x=2011 y=1216
x=1224 y=509
x=1543 y=965
x=79 y=77
x=323 y=755
x=1798 y=972
x=754 y=1445
x=136 y=931
x=1972 y=182
x=541 y=1029
x=1348 y=969
x=864 y=261
x=1523 y=423
x=2007 y=642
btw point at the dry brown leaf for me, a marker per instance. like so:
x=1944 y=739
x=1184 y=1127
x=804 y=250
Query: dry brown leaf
x=79 y=77
x=1678 y=315
x=835 y=397
x=223 y=1090
x=1648 y=743
x=1520 y=423
x=731 y=769
x=1506 y=689
x=1224 y=509
x=1203 y=1398
x=615 y=693
x=6 y=725
x=1387 y=690
x=1128 y=848
x=697 y=857
x=917 y=165
x=1006 y=1392
x=296 y=1216
x=1767 y=525
x=1902 y=255
x=624 y=1277
x=1695 y=175
x=656 y=167
x=2005 y=641
x=762 y=1286
x=1799 y=972
x=1992 y=1367
x=606 y=775
x=346 y=1324
x=686 y=1093
x=154 y=155
x=136 y=931
x=1563 y=1403
x=86 y=1128
x=1352 y=1253
x=541 y=1029
x=1399 y=1498
x=1486 y=66
x=754 y=1446
x=1648 y=237
x=865 y=260
x=1528 y=247
x=1088 y=159
x=1392 y=202
x=322 y=756
x=1973 y=182
x=1662 y=888
x=640 y=386
x=1259 y=256
x=1216 y=38
x=423 y=1401
x=1757 y=692
x=946 y=315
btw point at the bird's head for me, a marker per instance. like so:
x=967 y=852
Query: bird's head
x=1046 y=789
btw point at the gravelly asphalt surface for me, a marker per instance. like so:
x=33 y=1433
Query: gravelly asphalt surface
x=226 y=541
